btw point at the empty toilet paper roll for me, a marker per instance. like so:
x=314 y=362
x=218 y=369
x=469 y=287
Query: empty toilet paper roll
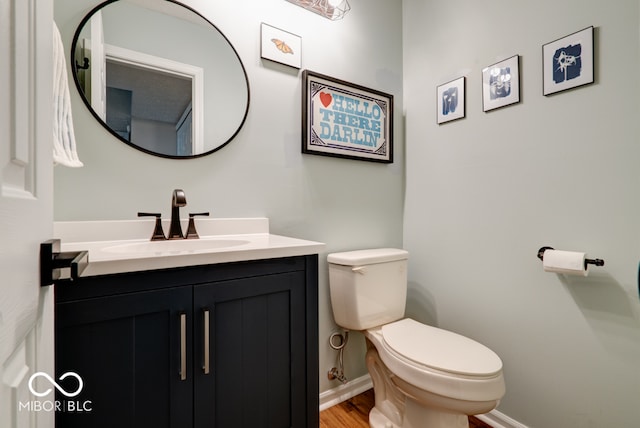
x=566 y=262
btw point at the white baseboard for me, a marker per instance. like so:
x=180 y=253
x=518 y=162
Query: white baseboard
x=499 y=420
x=344 y=392
x=357 y=386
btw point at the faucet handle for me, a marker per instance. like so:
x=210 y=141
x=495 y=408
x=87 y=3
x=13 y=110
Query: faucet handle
x=191 y=228
x=158 y=233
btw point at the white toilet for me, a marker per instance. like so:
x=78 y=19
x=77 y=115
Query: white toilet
x=423 y=377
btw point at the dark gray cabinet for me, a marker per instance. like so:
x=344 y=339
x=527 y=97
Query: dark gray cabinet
x=233 y=345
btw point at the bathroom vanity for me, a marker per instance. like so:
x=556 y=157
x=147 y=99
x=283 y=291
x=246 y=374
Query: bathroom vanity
x=218 y=337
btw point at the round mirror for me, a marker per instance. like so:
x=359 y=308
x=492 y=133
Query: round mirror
x=160 y=77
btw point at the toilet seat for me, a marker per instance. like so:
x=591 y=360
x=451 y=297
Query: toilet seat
x=420 y=355
x=438 y=349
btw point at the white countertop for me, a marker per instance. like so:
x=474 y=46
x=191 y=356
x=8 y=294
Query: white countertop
x=125 y=246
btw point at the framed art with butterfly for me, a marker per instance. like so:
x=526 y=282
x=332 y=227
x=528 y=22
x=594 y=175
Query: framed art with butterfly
x=342 y=119
x=280 y=46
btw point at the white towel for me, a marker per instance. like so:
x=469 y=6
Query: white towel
x=64 y=140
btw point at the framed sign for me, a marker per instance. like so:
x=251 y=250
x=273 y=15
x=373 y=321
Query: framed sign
x=501 y=84
x=450 y=100
x=345 y=120
x=568 y=62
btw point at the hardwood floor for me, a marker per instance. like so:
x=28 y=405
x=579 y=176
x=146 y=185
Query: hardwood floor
x=354 y=413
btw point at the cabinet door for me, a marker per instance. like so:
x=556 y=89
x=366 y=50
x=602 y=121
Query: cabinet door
x=257 y=357
x=129 y=351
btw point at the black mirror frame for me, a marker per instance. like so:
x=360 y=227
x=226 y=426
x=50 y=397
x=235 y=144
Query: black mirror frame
x=75 y=66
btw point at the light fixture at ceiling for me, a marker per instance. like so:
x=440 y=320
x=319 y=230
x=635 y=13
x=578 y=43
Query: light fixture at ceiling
x=331 y=9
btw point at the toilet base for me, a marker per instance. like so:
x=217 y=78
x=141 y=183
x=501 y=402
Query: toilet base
x=418 y=416
x=378 y=420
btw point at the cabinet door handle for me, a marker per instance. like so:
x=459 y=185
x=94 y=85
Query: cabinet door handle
x=206 y=367
x=183 y=346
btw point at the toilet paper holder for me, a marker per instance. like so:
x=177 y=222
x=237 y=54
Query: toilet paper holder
x=596 y=262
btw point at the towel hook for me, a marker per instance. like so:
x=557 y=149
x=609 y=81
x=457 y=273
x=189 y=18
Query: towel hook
x=84 y=66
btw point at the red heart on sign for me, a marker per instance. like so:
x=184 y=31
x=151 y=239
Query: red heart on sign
x=325 y=99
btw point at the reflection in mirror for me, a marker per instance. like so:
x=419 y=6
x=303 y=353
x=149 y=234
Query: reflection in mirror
x=174 y=93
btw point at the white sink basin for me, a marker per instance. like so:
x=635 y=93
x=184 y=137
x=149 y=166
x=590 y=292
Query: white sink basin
x=181 y=246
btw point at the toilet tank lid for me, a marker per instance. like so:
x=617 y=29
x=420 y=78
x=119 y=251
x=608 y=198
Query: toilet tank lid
x=368 y=257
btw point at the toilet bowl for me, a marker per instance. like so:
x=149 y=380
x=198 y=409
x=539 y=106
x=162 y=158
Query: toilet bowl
x=445 y=376
x=423 y=376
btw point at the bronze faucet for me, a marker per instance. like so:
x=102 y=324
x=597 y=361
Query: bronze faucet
x=178 y=200
x=175 y=229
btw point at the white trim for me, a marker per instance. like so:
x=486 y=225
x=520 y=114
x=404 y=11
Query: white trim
x=499 y=420
x=344 y=392
x=357 y=386
x=151 y=62
x=98 y=61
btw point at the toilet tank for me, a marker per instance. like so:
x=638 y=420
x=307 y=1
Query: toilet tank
x=368 y=287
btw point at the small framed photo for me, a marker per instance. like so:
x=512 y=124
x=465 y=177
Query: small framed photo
x=568 y=62
x=450 y=100
x=280 y=46
x=501 y=84
x=346 y=120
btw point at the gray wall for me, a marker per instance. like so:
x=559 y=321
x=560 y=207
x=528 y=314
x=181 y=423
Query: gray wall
x=485 y=192
x=346 y=204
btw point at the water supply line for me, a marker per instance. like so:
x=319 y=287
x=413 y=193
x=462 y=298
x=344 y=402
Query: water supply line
x=338 y=341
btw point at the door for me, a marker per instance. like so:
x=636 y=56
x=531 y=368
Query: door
x=26 y=208
x=249 y=341
x=98 y=71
